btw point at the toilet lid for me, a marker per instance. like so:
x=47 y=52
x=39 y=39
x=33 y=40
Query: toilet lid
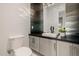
x=23 y=51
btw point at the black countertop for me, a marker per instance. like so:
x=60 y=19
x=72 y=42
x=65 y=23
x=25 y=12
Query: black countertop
x=71 y=39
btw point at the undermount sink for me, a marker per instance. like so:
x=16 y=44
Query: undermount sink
x=49 y=34
x=53 y=35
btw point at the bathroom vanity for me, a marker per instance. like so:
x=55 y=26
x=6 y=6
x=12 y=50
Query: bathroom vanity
x=48 y=44
x=51 y=46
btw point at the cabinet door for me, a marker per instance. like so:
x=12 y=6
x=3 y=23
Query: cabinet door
x=53 y=47
x=46 y=47
x=31 y=44
x=64 y=48
x=37 y=44
x=34 y=43
x=75 y=50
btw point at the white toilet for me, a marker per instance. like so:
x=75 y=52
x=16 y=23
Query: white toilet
x=23 y=51
x=16 y=47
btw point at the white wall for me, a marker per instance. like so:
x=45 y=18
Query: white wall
x=51 y=16
x=3 y=34
x=14 y=20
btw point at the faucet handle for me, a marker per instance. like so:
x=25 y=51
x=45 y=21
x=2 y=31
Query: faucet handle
x=58 y=35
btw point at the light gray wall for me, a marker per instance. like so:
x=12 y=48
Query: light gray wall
x=14 y=20
x=51 y=15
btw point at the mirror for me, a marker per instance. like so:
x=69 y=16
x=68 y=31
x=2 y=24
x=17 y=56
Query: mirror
x=61 y=18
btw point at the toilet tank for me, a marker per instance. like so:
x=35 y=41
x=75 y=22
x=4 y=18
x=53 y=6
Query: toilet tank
x=16 y=42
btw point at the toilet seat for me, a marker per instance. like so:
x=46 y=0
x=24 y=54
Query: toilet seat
x=23 y=51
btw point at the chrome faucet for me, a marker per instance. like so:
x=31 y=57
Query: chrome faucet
x=58 y=35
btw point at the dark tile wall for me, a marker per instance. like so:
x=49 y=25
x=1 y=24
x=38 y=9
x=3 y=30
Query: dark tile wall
x=37 y=18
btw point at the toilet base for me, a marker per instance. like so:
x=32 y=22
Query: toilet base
x=23 y=51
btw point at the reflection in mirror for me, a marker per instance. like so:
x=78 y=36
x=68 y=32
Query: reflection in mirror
x=61 y=18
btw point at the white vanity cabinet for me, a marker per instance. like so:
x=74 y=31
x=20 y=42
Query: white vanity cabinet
x=34 y=43
x=52 y=47
x=75 y=50
x=47 y=47
x=64 y=48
